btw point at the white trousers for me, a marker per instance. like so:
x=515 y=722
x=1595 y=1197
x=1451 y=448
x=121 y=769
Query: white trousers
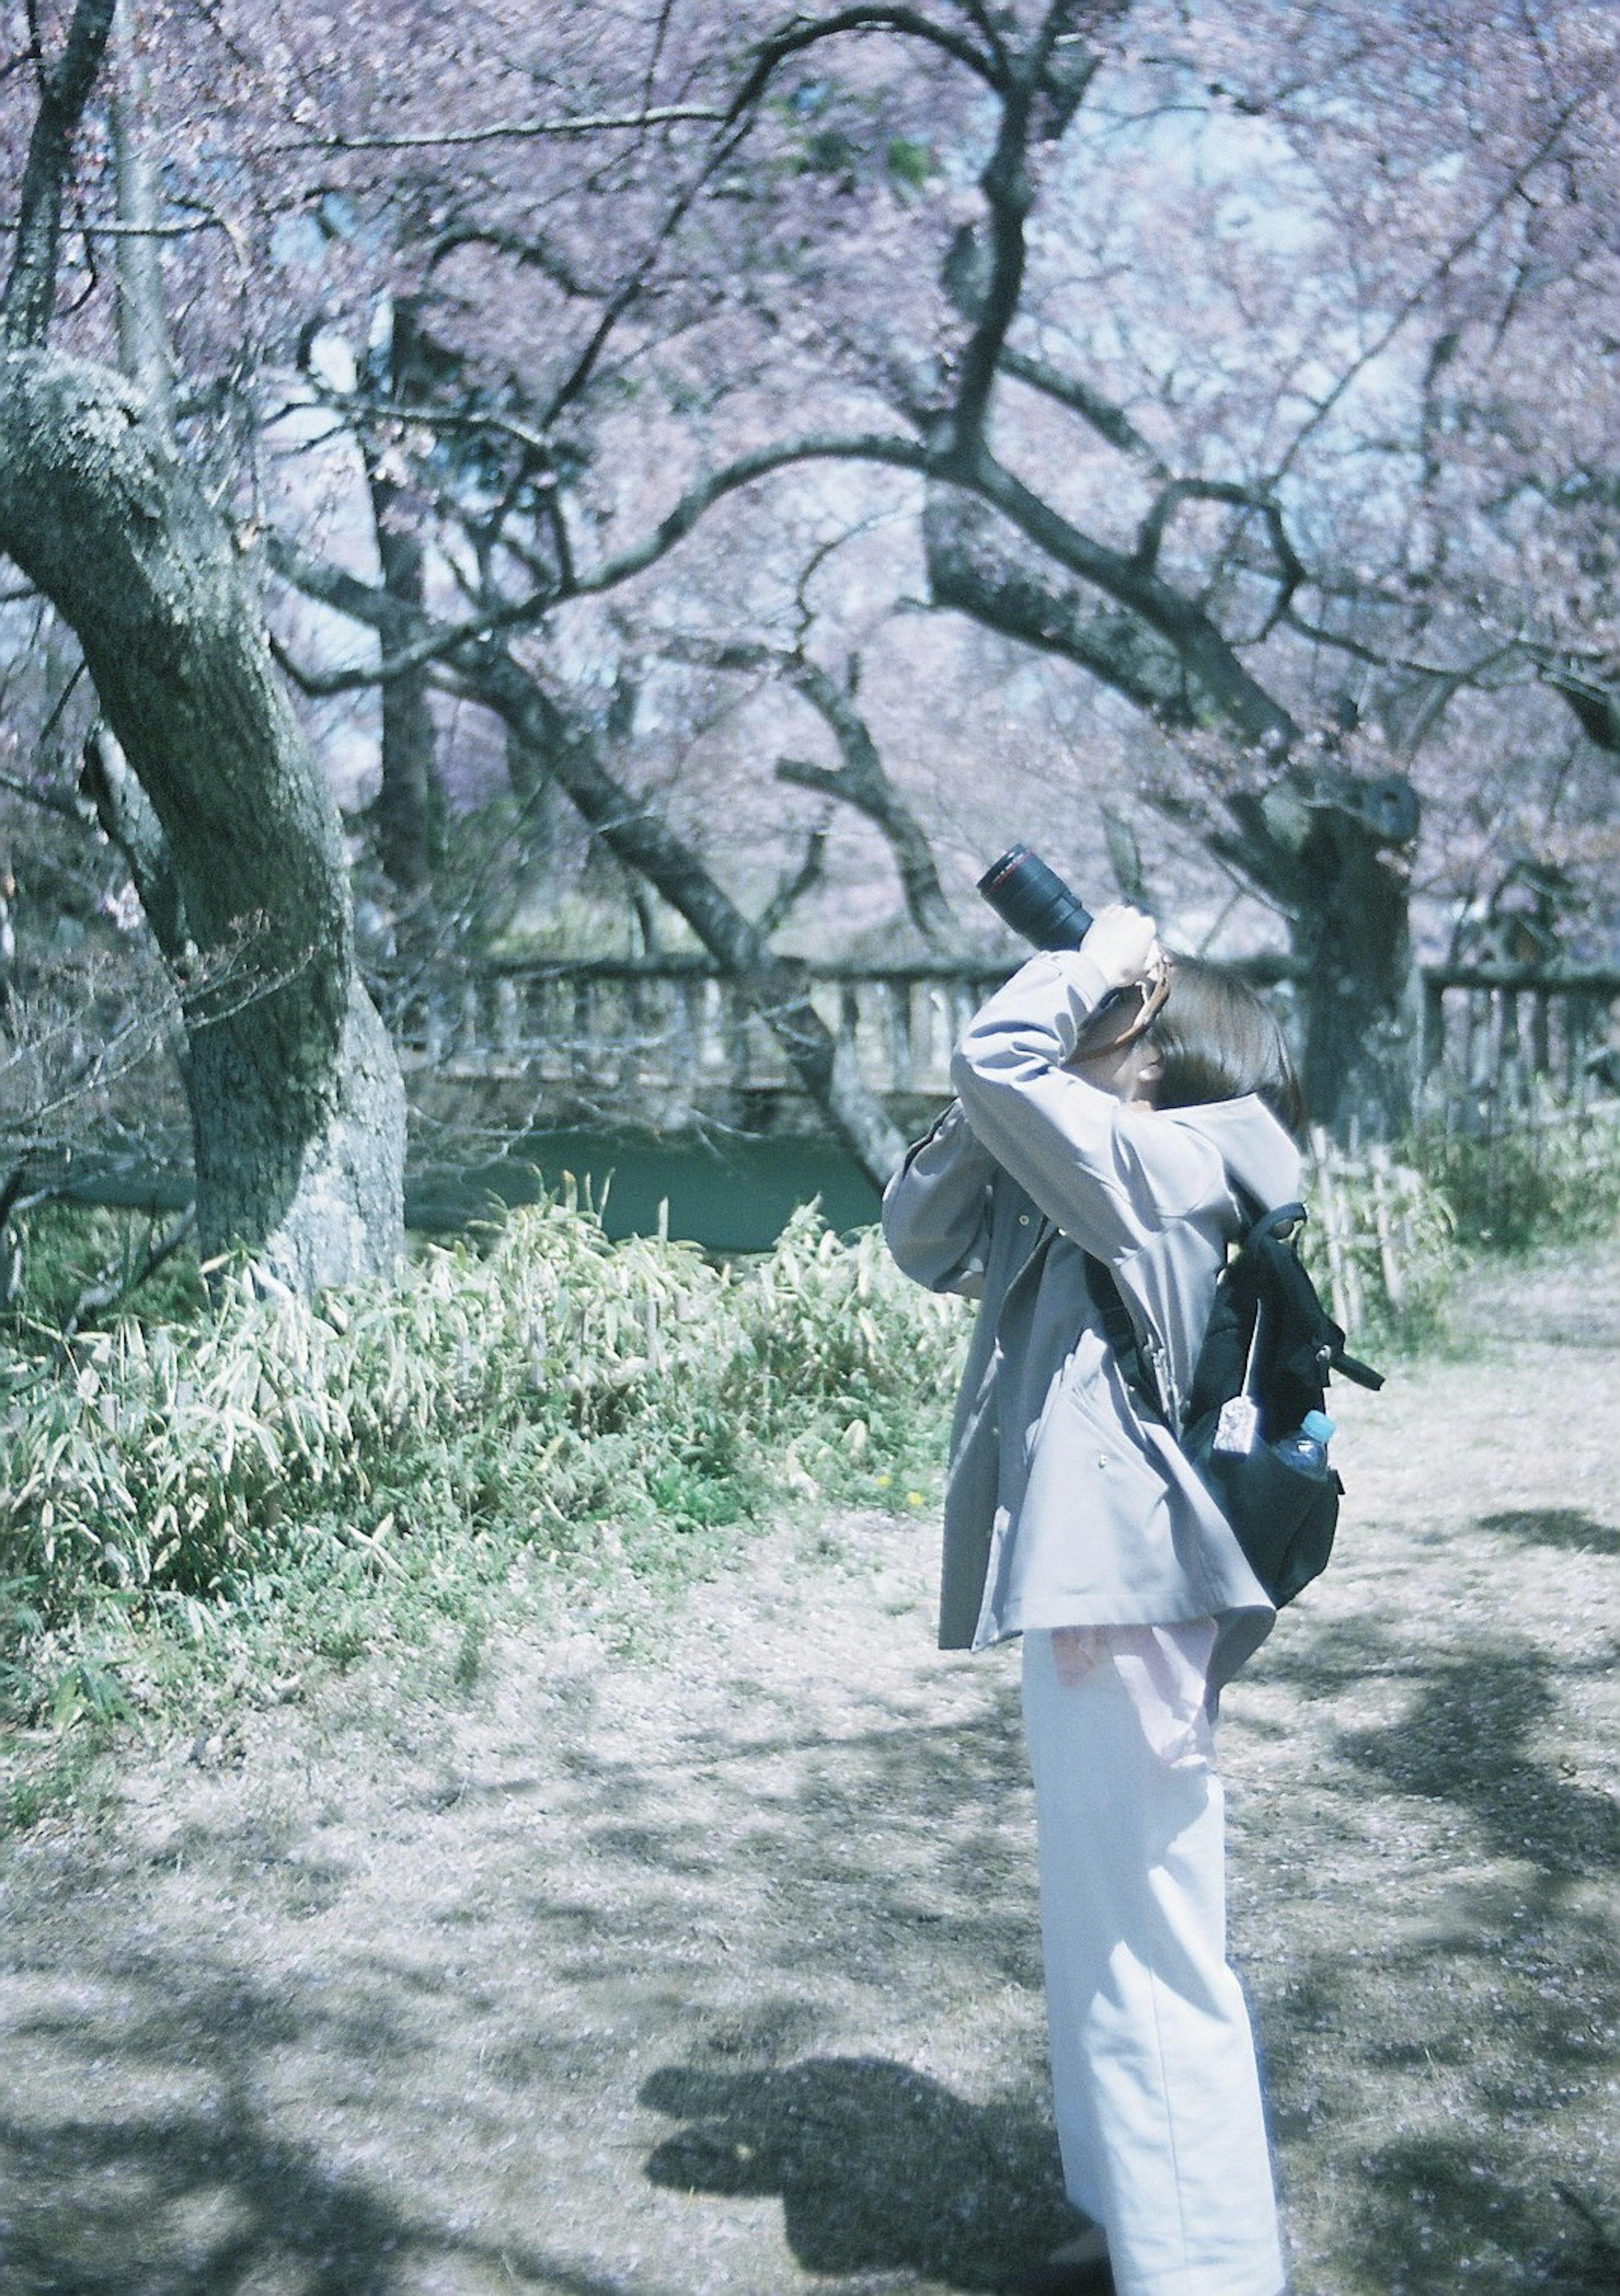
x=1156 y=2091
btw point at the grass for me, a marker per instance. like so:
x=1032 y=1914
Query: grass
x=67 y=1247
x=193 y=1506
x=541 y=1418
x=1553 y=1180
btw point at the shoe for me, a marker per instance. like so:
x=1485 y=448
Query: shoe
x=1050 y=2279
x=1063 y=2274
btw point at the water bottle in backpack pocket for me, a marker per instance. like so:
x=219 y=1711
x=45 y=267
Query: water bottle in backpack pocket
x=1280 y=1497
x=1305 y=1450
x=1255 y=1427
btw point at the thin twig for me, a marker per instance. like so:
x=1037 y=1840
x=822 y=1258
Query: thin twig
x=658 y=115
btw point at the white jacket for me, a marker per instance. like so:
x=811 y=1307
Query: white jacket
x=1065 y=1507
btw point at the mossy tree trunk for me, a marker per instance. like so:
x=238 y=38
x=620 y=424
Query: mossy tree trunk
x=296 y=1101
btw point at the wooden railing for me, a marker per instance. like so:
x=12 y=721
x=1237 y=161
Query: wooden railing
x=599 y=1030
x=1494 y=1034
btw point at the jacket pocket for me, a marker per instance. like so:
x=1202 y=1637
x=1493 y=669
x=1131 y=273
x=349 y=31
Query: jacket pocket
x=1094 y=1542
x=1083 y=1437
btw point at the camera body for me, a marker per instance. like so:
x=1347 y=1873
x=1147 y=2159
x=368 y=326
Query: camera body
x=1035 y=900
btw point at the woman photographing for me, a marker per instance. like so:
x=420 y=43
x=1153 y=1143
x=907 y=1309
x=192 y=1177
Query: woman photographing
x=1109 y=1105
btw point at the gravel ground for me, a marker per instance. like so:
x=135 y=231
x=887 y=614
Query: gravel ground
x=716 y=1966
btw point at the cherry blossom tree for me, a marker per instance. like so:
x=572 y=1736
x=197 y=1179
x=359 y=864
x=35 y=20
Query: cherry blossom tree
x=1207 y=485
x=1212 y=359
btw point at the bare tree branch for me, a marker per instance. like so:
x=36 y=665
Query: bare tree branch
x=1250 y=712
x=88 y=227
x=861 y=781
x=119 y=1279
x=1109 y=422
x=441 y=640
x=1421 y=293
x=634 y=830
x=1040 y=90
x=145 y=352
x=126 y=813
x=795 y=882
x=735 y=125
x=806 y=32
x=30 y=290
x=602 y=123
x=48 y=800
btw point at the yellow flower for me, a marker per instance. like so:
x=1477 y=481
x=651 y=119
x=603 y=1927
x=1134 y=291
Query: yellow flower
x=883 y=1481
x=913 y=1498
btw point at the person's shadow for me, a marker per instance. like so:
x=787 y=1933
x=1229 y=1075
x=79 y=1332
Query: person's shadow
x=879 y=2168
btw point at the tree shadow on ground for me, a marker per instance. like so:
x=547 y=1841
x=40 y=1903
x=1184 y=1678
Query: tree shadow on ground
x=1463 y=2032
x=777 y=1914
x=196 y=2207
x=1419 y=2091
x=1471 y=1735
x=1568 y=1528
x=879 y=2168
x=1455 y=2220
x=900 y=1845
x=208 y=2199
x=295 y=2107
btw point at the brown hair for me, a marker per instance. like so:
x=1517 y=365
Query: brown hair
x=1219 y=1041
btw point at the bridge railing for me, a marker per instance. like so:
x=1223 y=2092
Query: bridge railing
x=604 y=1023
x=676 y=1027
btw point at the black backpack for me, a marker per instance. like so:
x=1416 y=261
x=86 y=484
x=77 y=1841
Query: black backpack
x=1269 y=1349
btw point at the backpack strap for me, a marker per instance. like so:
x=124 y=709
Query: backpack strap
x=1118 y=1329
x=1362 y=1374
x=1273 y=1223
x=1271 y=1237
x=1267 y=1231
x=1120 y=1332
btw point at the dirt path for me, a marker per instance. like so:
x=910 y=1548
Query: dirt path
x=719 y=1969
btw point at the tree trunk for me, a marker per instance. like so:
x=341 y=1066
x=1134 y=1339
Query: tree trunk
x=1360 y=984
x=296 y=1101
x=409 y=804
x=1322 y=846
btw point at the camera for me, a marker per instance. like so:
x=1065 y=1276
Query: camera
x=1035 y=900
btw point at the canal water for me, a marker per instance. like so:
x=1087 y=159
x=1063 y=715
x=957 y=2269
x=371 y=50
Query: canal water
x=728 y=1192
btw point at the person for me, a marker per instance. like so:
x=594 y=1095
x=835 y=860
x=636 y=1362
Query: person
x=1110 y=1105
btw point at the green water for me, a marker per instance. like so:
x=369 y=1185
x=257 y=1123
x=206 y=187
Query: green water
x=729 y=1194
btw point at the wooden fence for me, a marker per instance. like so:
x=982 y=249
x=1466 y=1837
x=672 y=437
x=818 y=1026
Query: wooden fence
x=1498 y=1040
x=1372 y=1233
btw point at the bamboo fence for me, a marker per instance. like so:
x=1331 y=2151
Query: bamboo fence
x=1376 y=1234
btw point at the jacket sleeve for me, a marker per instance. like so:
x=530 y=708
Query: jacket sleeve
x=936 y=1208
x=1109 y=1177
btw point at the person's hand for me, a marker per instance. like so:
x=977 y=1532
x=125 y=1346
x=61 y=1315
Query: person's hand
x=1122 y=943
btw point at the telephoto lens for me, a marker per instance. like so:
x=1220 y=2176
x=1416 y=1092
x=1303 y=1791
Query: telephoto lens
x=1035 y=900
